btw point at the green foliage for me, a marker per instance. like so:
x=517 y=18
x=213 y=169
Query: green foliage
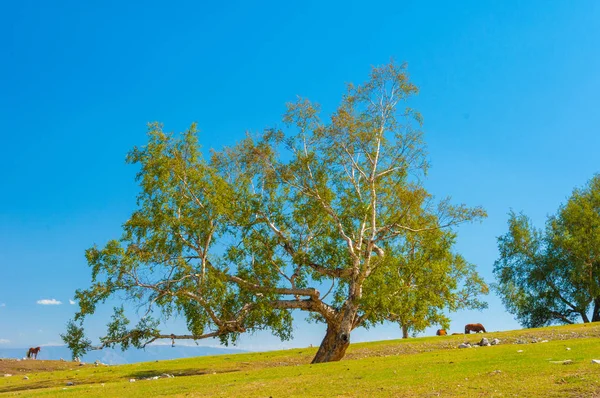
x=236 y=242
x=553 y=276
x=117 y=332
x=429 y=281
x=75 y=339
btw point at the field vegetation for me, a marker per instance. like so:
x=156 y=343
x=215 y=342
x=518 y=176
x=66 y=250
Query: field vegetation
x=527 y=362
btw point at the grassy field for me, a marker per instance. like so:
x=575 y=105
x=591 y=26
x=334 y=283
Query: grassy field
x=421 y=367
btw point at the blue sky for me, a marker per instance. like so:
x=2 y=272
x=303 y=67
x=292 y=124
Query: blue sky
x=508 y=91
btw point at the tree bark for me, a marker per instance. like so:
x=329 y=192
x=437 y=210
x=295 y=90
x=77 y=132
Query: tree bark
x=404 y=331
x=334 y=344
x=596 y=313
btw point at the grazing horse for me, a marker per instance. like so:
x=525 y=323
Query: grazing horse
x=474 y=327
x=33 y=352
x=441 y=332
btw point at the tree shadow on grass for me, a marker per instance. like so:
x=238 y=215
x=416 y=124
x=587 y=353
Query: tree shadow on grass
x=43 y=384
x=143 y=374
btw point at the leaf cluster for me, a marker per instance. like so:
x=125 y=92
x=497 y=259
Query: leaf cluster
x=553 y=276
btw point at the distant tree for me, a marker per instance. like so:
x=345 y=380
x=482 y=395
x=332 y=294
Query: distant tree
x=234 y=244
x=75 y=339
x=431 y=281
x=553 y=276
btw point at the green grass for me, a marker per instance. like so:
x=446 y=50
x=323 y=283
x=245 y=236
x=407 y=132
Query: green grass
x=430 y=366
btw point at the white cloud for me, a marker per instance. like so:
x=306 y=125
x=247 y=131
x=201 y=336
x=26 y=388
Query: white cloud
x=49 y=302
x=72 y=302
x=4 y=341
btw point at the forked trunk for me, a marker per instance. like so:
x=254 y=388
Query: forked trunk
x=584 y=317
x=334 y=344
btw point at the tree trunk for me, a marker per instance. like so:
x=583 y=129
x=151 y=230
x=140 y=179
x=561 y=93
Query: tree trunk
x=404 y=331
x=334 y=344
x=584 y=317
x=596 y=312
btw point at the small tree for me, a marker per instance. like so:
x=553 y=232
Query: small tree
x=553 y=276
x=432 y=280
x=235 y=243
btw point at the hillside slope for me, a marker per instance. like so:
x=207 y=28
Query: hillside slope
x=430 y=366
x=117 y=357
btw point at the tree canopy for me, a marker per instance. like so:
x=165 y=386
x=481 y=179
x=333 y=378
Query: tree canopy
x=432 y=282
x=553 y=276
x=328 y=217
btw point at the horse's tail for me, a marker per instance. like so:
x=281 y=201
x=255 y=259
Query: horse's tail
x=29 y=353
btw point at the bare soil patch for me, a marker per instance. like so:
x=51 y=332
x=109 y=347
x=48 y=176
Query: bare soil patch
x=16 y=367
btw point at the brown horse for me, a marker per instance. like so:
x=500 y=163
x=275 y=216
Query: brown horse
x=441 y=332
x=33 y=352
x=474 y=327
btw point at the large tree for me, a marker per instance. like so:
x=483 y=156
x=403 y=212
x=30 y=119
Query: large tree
x=553 y=276
x=237 y=242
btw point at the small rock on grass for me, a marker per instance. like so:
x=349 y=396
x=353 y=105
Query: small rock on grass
x=495 y=342
x=565 y=362
x=464 y=345
x=597 y=361
x=70 y=383
x=26 y=378
x=520 y=351
x=7 y=375
x=132 y=380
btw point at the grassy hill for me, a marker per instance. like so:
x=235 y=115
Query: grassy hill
x=521 y=365
x=116 y=356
